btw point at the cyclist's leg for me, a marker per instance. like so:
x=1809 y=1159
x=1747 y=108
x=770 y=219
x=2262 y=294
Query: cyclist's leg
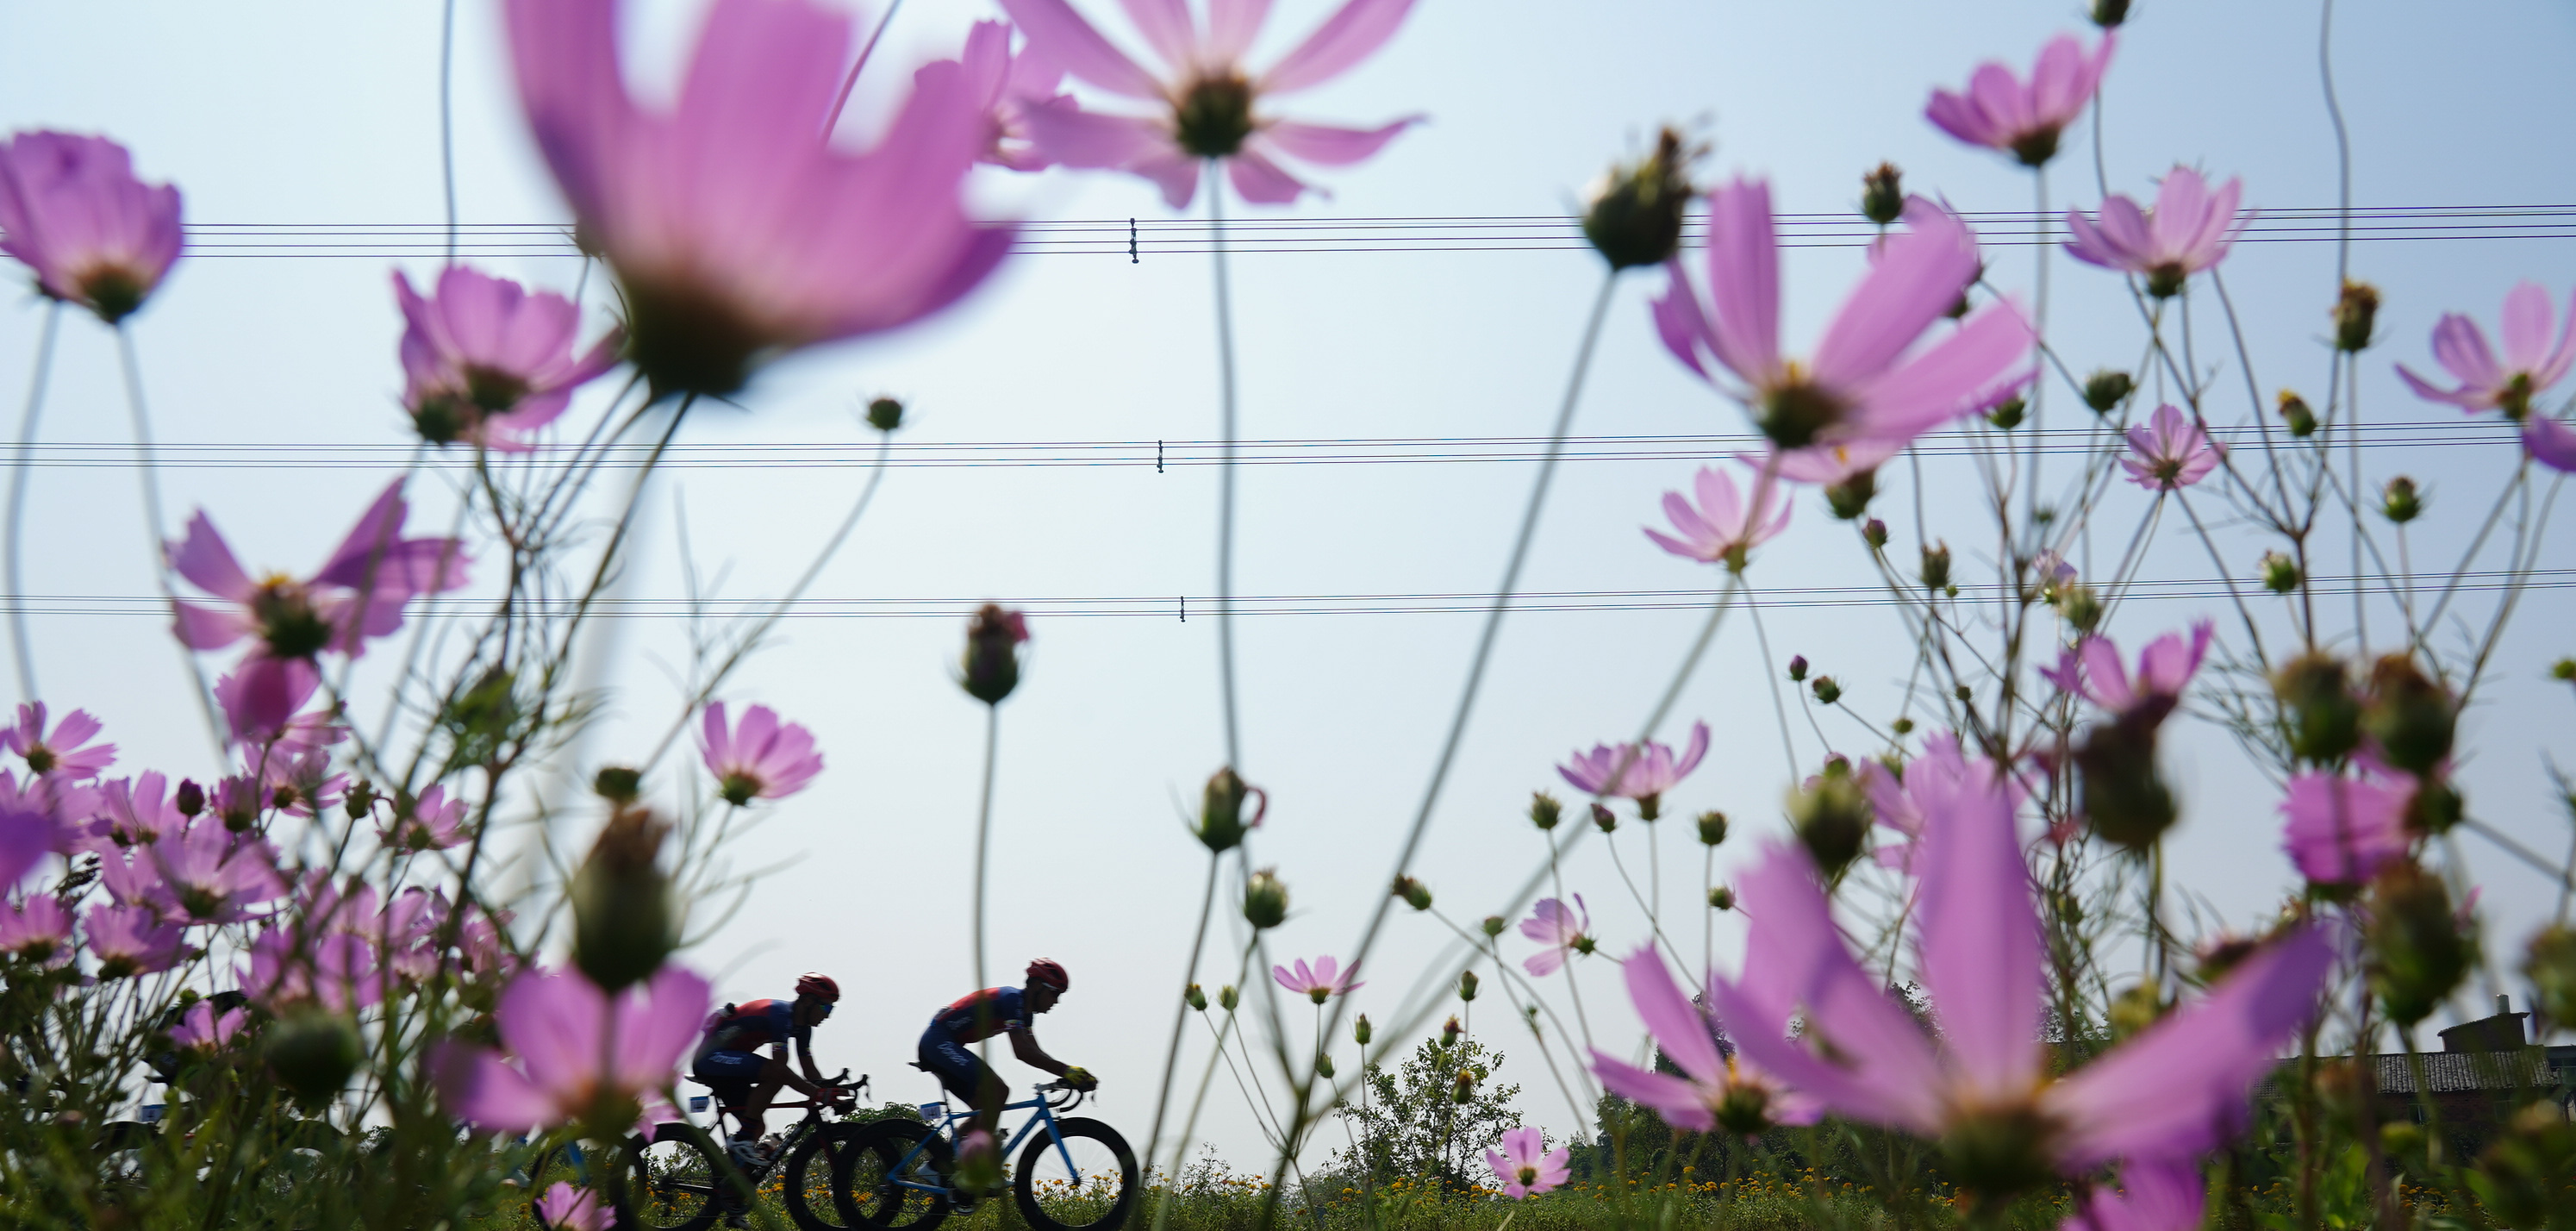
x=764 y=1091
x=967 y=1077
x=732 y=1075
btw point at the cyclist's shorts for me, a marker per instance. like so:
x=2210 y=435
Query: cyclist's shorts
x=729 y=1073
x=955 y=1064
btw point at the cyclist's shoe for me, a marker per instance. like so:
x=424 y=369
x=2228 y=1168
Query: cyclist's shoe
x=737 y=1219
x=962 y=1201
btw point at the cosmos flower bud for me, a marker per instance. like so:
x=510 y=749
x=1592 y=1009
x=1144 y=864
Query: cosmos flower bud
x=1265 y=900
x=1544 y=810
x=1450 y=1030
x=1826 y=690
x=2081 y=607
x=2418 y=949
x=189 y=799
x=1936 y=567
x=313 y=1054
x=1227 y=998
x=2435 y=808
x=2294 y=412
x=1413 y=893
x=361 y=799
x=2400 y=502
x=1324 y=1067
x=1831 y=817
x=623 y=919
x=1194 y=997
x=2564 y=670
x=1964 y=693
x=2123 y=797
x=1604 y=818
x=1712 y=828
x=618 y=784
x=2550 y=964
x=2008 y=414
x=1874 y=533
x=1902 y=726
x=2316 y=700
x=1722 y=898
x=2106 y=389
x=1221 y=822
x=1466 y=1088
x=1850 y=498
x=1797 y=666
x=885 y=414
x=979 y=1162
x=1882 y=194
x=1634 y=217
x=2108 y=14
x=1467 y=985
x=1360 y=1030
x=2356 y=314
x=2408 y=716
x=993 y=641
x=2280 y=573
x=237 y=801
x=1494 y=925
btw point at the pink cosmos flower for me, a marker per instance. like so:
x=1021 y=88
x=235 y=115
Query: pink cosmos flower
x=2173 y=1090
x=735 y=233
x=264 y=705
x=130 y=940
x=2000 y=112
x=1621 y=770
x=300 y=782
x=66 y=751
x=203 y=1030
x=1826 y=465
x=1903 y=804
x=1321 y=982
x=486 y=362
x=1861 y=385
x=137 y=811
x=2189 y=229
x=1558 y=928
x=1717 y=1088
x=26 y=837
x=37 y=930
x=2094 y=671
x=298 y=963
x=761 y=759
x=1723 y=528
x=2532 y=363
x=1526 y=1166
x=566 y=1208
x=210 y=876
x=2170 y=451
x=2343 y=830
x=1009 y=86
x=557 y=1026
x=434 y=823
x=2156 y=1195
x=71 y=208
x=2550 y=442
x=131 y=878
x=1213 y=104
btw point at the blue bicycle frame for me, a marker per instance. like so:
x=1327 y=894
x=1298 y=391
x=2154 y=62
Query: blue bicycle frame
x=1045 y=1115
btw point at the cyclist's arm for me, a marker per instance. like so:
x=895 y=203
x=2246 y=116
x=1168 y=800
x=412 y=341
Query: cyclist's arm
x=1024 y=1044
x=778 y=1052
x=805 y=1056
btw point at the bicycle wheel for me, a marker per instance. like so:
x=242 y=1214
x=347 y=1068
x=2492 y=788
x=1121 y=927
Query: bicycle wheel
x=675 y=1183
x=122 y=1147
x=1089 y=1184
x=872 y=1175
x=806 y=1184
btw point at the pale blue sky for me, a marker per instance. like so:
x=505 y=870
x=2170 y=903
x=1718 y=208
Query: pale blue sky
x=320 y=113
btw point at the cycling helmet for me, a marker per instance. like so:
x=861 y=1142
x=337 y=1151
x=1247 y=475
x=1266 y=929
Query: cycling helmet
x=1046 y=973
x=819 y=986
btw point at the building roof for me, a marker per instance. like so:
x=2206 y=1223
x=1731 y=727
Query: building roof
x=2445 y=1072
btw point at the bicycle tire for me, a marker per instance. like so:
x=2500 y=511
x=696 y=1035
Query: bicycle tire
x=1081 y=1207
x=860 y=1192
x=810 y=1174
x=672 y=1182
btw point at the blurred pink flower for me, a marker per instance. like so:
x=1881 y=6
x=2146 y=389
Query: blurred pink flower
x=2550 y=442
x=1008 y=86
x=1558 y=928
x=263 y=704
x=66 y=751
x=557 y=1025
x=1723 y=527
x=2532 y=363
x=137 y=810
x=2342 y=830
x=1861 y=386
x=1213 y=103
x=1622 y=770
x=434 y=823
x=1525 y=1166
x=2170 y=451
x=209 y=875
x=1903 y=804
x=1322 y=982
x=37 y=930
x=131 y=878
x=202 y=1029
x=2175 y=1089
x=2093 y=670
x=1826 y=465
x=762 y=758
x=72 y=209
x=566 y=1208
x=2156 y=1195
x=1715 y=1086
x=735 y=232
x=292 y=964
x=301 y=782
x=1999 y=112
x=26 y=837
x=2188 y=230
x=130 y=940
x=486 y=362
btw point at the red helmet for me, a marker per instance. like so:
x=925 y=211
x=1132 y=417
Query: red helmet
x=1045 y=973
x=818 y=986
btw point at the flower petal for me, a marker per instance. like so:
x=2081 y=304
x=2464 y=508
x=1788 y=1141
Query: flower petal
x=1063 y=36
x=1346 y=38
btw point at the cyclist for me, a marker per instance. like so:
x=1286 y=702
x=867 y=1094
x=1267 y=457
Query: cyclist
x=744 y=1081
x=947 y=1046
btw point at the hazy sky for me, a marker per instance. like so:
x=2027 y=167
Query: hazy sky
x=323 y=117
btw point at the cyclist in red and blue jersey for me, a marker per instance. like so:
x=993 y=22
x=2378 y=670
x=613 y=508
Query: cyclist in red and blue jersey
x=947 y=1047
x=729 y=1060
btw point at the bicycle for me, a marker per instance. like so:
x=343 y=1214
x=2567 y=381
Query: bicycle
x=685 y=1177
x=1076 y=1173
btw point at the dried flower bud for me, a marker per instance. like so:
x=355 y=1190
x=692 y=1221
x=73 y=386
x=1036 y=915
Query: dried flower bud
x=2435 y=807
x=2106 y=389
x=1882 y=194
x=2417 y=946
x=1544 y=810
x=2108 y=14
x=1604 y=818
x=1634 y=218
x=1324 y=1067
x=2081 y=607
x=2356 y=314
x=1936 y=567
x=2008 y=414
x=624 y=922
x=1850 y=498
x=2123 y=797
x=2400 y=502
x=1826 y=690
x=2550 y=964
x=1712 y=828
x=1467 y=985
x=189 y=799
x=1265 y=900
x=313 y=1054
x=1360 y=1030
x=1413 y=893
x=1797 y=666
x=1722 y=898
x=1194 y=997
x=2280 y=573
x=993 y=641
x=1221 y=820
x=885 y=414
x=618 y=784
x=1832 y=819
x=1874 y=533
x=2317 y=703
x=1449 y=1032
x=1227 y=998
x=2408 y=715
x=2294 y=412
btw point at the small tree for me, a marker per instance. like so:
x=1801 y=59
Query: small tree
x=1415 y=1122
